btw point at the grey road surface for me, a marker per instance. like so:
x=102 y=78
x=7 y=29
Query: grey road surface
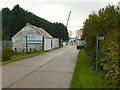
x=53 y=69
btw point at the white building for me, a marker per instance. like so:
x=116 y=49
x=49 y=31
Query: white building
x=33 y=38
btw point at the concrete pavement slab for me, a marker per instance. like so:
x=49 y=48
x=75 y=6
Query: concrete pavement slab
x=53 y=69
x=45 y=80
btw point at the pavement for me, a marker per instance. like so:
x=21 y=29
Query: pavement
x=53 y=69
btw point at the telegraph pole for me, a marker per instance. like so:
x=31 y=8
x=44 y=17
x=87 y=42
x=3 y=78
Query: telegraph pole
x=68 y=19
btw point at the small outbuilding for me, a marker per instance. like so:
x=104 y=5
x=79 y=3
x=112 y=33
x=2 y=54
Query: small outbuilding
x=32 y=38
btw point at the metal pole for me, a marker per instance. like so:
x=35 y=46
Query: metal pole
x=68 y=19
x=26 y=45
x=43 y=43
x=96 y=53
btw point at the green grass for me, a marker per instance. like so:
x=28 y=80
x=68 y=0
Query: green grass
x=21 y=56
x=85 y=77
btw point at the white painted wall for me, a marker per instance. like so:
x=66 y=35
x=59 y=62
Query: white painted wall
x=55 y=42
x=47 y=44
x=19 y=40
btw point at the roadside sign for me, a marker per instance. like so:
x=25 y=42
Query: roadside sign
x=100 y=37
x=34 y=39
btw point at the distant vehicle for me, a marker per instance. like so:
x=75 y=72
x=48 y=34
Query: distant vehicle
x=80 y=46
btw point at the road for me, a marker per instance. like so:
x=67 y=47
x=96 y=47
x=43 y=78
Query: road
x=53 y=69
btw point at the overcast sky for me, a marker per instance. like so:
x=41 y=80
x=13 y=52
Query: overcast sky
x=58 y=10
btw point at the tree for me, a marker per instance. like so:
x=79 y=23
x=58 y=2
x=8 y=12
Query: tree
x=106 y=23
x=16 y=19
x=5 y=27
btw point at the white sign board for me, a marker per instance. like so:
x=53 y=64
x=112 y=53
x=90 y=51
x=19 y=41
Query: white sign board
x=34 y=39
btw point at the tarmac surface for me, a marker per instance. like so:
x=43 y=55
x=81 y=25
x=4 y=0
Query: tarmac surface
x=53 y=69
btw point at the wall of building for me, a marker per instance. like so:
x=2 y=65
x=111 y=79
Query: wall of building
x=19 y=40
x=20 y=44
x=47 y=43
x=55 y=42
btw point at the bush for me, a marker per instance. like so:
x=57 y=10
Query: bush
x=109 y=56
x=6 y=53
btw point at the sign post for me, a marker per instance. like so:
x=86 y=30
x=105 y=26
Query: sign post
x=98 y=38
x=26 y=45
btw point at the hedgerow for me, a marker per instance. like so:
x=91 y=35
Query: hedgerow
x=108 y=56
x=104 y=23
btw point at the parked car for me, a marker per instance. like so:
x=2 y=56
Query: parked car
x=80 y=46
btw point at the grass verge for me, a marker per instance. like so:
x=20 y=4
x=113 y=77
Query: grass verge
x=21 y=56
x=85 y=77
